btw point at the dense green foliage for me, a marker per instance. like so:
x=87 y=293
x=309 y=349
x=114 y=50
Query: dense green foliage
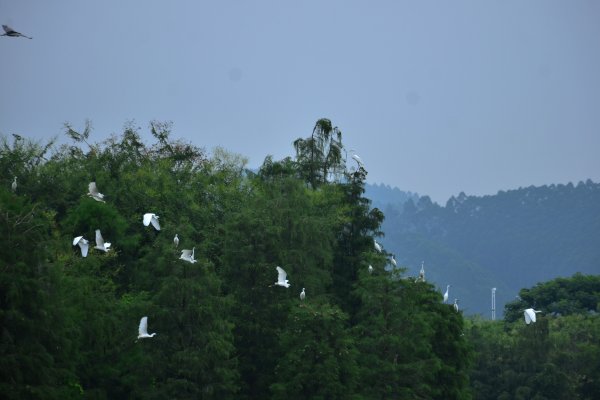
x=224 y=331
x=509 y=240
x=558 y=357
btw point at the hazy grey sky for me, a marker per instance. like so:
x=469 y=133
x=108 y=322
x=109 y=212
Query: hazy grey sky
x=436 y=97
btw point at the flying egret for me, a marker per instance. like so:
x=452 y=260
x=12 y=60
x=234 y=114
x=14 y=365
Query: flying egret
x=151 y=218
x=281 y=278
x=83 y=245
x=100 y=244
x=393 y=261
x=12 y=33
x=422 y=272
x=455 y=305
x=530 y=315
x=377 y=246
x=143 y=329
x=14 y=185
x=446 y=294
x=188 y=255
x=370 y=269
x=302 y=294
x=94 y=193
x=176 y=240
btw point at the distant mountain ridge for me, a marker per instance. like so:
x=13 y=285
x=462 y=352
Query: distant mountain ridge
x=510 y=240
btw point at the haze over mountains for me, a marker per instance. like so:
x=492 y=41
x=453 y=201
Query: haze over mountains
x=510 y=240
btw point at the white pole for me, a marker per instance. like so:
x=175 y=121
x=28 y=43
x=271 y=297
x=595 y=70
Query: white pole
x=493 y=304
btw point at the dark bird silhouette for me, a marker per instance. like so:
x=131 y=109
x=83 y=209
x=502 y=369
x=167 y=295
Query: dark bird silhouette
x=12 y=33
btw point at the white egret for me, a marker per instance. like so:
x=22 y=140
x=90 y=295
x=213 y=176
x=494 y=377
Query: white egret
x=12 y=33
x=14 y=185
x=143 y=329
x=422 y=272
x=151 y=218
x=281 y=278
x=393 y=261
x=100 y=244
x=356 y=158
x=188 y=255
x=446 y=294
x=94 y=193
x=83 y=245
x=370 y=269
x=176 y=240
x=455 y=305
x=377 y=246
x=530 y=315
x=302 y=294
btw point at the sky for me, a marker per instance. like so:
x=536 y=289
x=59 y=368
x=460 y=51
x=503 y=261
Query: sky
x=437 y=97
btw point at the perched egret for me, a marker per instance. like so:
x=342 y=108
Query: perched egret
x=14 y=185
x=83 y=245
x=143 y=329
x=530 y=315
x=281 y=278
x=302 y=294
x=100 y=244
x=455 y=305
x=377 y=245
x=356 y=158
x=422 y=272
x=188 y=255
x=446 y=294
x=12 y=33
x=176 y=240
x=94 y=193
x=393 y=261
x=151 y=218
x=370 y=269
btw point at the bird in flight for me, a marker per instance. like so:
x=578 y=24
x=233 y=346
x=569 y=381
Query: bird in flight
x=100 y=244
x=530 y=315
x=151 y=218
x=143 y=329
x=94 y=193
x=188 y=255
x=282 y=278
x=12 y=33
x=83 y=245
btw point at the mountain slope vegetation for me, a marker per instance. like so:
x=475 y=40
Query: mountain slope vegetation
x=510 y=240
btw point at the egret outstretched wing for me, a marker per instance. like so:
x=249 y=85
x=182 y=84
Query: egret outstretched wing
x=100 y=243
x=94 y=193
x=151 y=218
x=143 y=329
x=282 y=278
x=530 y=316
x=188 y=255
x=83 y=245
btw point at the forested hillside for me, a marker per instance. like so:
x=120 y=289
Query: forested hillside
x=224 y=329
x=510 y=240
